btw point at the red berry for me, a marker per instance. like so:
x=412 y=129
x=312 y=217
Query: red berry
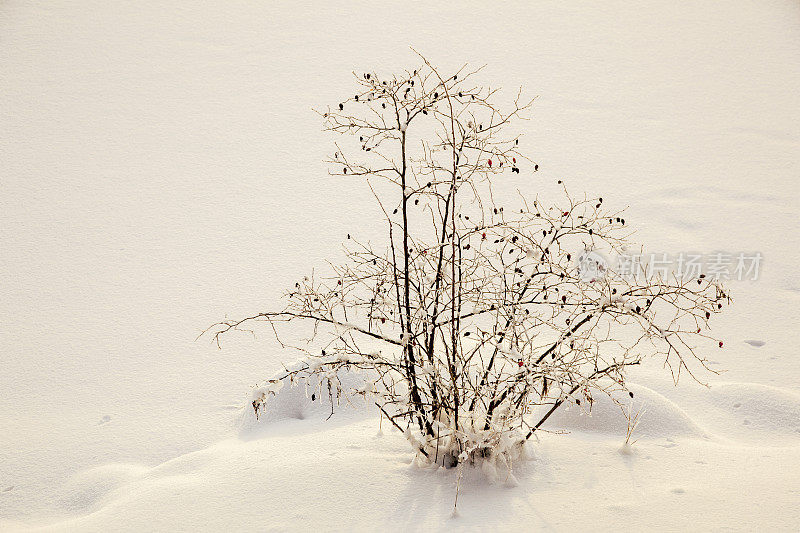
x=566 y=213
x=490 y=162
x=514 y=159
x=720 y=344
x=520 y=363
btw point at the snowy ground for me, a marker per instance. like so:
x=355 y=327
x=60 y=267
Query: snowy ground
x=161 y=168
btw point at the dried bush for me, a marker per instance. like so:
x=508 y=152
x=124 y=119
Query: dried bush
x=476 y=322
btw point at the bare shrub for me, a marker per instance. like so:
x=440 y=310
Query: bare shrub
x=477 y=320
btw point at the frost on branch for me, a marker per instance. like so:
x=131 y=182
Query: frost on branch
x=475 y=321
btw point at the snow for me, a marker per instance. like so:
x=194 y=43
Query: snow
x=162 y=170
x=307 y=474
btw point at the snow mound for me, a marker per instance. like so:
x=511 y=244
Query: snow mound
x=88 y=489
x=745 y=413
x=660 y=417
x=755 y=413
x=308 y=400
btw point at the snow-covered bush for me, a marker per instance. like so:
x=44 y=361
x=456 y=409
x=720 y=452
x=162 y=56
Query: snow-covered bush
x=477 y=321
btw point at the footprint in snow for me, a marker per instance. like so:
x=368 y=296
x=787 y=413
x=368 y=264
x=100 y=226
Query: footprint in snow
x=104 y=420
x=756 y=343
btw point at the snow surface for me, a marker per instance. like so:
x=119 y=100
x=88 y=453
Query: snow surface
x=161 y=169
